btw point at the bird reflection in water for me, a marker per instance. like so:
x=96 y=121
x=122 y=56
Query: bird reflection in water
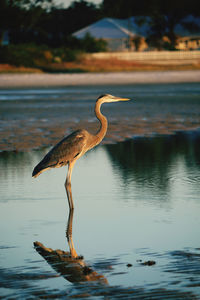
x=69 y=264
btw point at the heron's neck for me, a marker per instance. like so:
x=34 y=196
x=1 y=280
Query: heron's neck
x=103 y=122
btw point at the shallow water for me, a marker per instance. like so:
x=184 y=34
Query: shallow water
x=135 y=202
x=35 y=118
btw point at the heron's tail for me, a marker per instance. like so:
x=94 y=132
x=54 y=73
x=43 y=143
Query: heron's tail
x=41 y=167
x=37 y=170
x=46 y=163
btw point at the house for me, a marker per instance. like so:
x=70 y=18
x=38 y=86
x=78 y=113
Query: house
x=130 y=34
x=188 y=33
x=118 y=33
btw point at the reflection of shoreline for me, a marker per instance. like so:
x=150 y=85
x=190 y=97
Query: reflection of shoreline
x=44 y=80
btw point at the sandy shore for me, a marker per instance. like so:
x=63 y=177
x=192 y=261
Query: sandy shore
x=44 y=80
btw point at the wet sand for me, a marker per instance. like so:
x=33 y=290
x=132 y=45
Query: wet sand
x=24 y=126
x=26 y=136
x=44 y=80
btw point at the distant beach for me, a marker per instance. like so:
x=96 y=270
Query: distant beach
x=46 y=80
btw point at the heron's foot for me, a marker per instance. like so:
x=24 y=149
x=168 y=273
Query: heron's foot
x=73 y=253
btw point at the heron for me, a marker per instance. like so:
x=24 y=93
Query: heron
x=75 y=145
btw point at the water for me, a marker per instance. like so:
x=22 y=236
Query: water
x=135 y=202
x=31 y=118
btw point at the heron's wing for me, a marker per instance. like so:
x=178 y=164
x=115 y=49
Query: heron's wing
x=63 y=152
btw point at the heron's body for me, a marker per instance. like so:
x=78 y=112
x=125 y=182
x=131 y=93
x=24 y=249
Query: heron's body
x=66 y=151
x=72 y=147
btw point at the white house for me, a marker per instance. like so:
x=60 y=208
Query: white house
x=116 y=32
x=188 y=39
x=126 y=34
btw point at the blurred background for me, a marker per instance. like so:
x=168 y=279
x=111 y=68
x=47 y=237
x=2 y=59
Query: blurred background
x=137 y=196
x=56 y=35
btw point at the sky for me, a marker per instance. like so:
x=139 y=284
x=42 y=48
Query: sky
x=66 y=3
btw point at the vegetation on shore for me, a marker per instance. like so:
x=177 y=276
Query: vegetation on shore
x=99 y=65
x=47 y=58
x=40 y=34
x=43 y=22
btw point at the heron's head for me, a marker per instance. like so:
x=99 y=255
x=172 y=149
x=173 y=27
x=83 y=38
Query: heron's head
x=110 y=98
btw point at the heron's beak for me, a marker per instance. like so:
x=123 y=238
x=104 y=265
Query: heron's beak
x=122 y=99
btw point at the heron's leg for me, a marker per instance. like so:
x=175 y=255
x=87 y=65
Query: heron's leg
x=69 y=234
x=68 y=186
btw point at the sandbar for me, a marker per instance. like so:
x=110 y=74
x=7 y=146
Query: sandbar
x=46 y=79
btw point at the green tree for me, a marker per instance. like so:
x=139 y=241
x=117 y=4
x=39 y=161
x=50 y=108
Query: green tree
x=80 y=14
x=41 y=22
x=90 y=44
x=163 y=16
x=22 y=18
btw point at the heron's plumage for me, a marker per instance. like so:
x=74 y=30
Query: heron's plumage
x=63 y=152
x=69 y=149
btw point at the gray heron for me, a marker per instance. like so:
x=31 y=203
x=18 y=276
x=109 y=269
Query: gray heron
x=72 y=147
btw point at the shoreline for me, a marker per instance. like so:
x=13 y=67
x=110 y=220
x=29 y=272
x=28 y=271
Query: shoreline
x=26 y=146
x=105 y=78
x=28 y=125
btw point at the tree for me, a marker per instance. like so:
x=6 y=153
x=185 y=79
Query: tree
x=22 y=17
x=123 y=9
x=80 y=14
x=163 y=16
x=41 y=22
x=90 y=44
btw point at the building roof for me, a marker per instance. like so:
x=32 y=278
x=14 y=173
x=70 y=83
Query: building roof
x=109 y=28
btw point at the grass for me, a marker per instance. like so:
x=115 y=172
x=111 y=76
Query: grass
x=6 y=68
x=102 y=65
x=116 y=65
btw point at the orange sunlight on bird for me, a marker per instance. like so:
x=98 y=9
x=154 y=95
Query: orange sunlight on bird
x=72 y=147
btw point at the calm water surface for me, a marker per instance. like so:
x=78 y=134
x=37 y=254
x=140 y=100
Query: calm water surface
x=150 y=100
x=135 y=202
x=35 y=118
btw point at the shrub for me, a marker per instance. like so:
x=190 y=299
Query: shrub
x=31 y=55
x=35 y=56
x=90 y=44
x=16 y=55
x=24 y=55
